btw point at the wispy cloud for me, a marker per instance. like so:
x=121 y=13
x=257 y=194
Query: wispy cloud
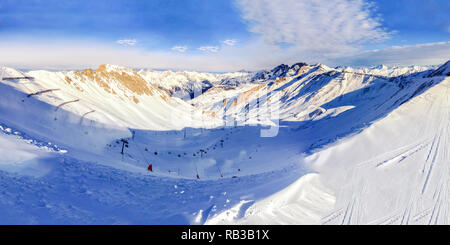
x=127 y=42
x=181 y=49
x=321 y=26
x=211 y=49
x=419 y=54
x=230 y=42
x=255 y=56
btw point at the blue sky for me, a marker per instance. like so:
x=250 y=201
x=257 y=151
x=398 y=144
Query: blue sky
x=222 y=35
x=157 y=23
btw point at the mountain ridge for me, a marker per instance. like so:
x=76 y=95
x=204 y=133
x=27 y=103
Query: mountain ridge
x=280 y=141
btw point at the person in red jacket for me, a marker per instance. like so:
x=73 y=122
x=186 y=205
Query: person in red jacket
x=150 y=168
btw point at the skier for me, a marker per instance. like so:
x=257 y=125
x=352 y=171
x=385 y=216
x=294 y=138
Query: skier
x=150 y=168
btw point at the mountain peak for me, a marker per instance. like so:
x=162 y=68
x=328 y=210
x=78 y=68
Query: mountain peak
x=443 y=70
x=107 y=75
x=298 y=65
x=101 y=68
x=112 y=68
x=381 y=67
x=322 y=66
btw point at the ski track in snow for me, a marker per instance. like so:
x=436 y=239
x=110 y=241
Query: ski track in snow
x=426 y=200
x=343 y=155
x=75 y=192
x=407 y=185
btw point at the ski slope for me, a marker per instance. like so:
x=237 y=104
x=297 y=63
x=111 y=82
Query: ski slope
x=396 y=171
x=43 y=185
x=399 y=169
x=352 y=146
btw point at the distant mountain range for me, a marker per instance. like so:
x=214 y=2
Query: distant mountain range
x=295 y=144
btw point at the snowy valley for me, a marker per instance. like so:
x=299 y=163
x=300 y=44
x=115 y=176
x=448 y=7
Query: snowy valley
x=298 y=144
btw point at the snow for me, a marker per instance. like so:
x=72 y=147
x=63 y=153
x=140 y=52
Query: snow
x=364 y=146
x=386 y=71
x=393 y=172
x=78 y=192
x=183 y=84
x=303 y=202
x=444 y=70
x=21 y=157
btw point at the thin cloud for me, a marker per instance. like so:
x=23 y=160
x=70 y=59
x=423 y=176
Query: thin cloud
x=230 y=42
x=181 y=49
x=419 y=54
x=254 y=56
x=211 y=49
x=127 y=42
x=326 y=27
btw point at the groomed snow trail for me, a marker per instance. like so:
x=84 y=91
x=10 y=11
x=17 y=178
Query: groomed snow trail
x=396 y=171
x=406 y=181
x=350 y=149
x=41 y=186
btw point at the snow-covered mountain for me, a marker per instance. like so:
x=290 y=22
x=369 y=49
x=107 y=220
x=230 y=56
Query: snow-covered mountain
x=391 y=167
x=187 y=84
x=386 y=71
x=340 y=145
